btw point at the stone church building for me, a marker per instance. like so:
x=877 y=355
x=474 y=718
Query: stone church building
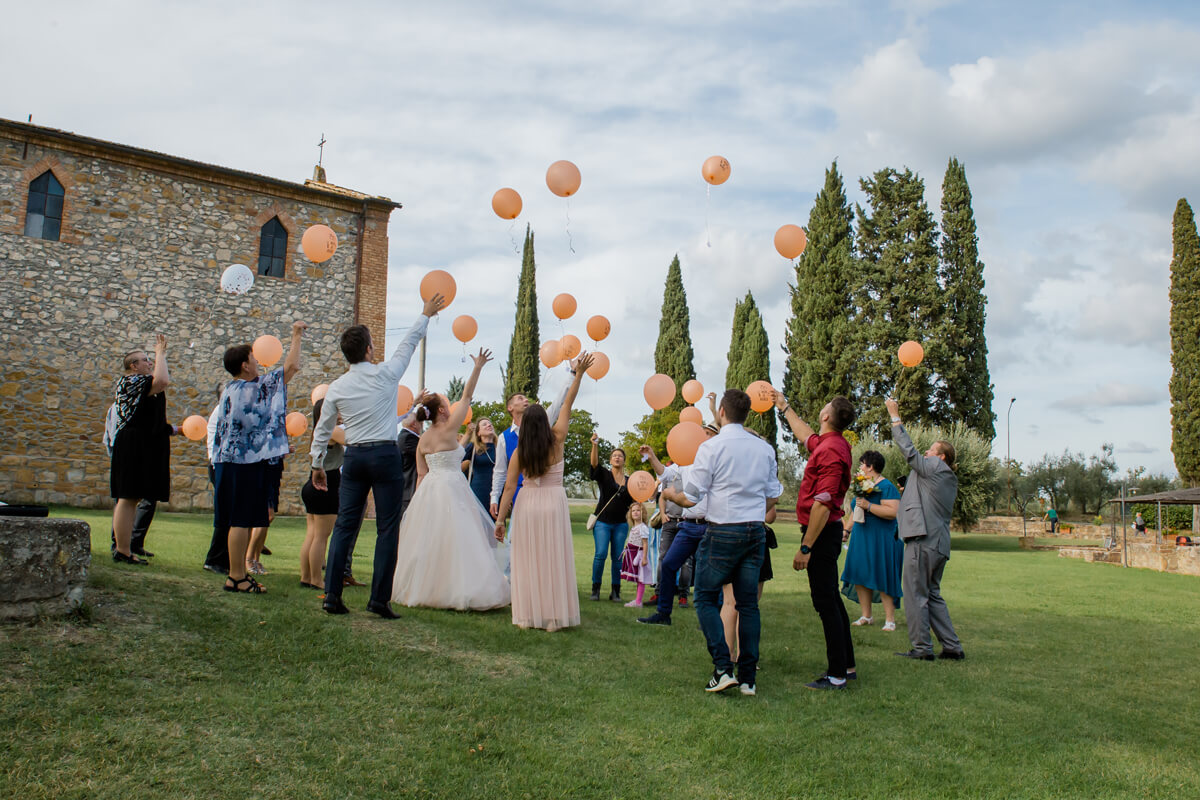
x=103 y=245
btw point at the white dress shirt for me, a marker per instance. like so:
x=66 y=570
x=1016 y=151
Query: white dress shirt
x=735 y=472
x=365 y=397
x=674 y=472
x=500 y=471
x=213 y=419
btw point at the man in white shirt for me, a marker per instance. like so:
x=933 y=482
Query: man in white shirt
x=365 y=397
x=736 y=475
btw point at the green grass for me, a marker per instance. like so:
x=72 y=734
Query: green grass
x=1079 y=682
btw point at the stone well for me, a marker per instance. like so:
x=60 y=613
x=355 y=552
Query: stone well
x=43 y=566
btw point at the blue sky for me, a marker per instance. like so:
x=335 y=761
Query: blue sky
x=1077 y=123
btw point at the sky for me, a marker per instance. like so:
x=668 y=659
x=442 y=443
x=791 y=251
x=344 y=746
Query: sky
x=1078 y=125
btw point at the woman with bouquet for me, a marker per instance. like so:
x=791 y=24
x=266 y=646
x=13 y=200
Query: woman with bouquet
x=876 y=556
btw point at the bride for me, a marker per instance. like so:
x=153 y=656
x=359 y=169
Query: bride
x=445 y=557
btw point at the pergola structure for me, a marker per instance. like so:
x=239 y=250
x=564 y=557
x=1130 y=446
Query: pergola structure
x=1174 y=497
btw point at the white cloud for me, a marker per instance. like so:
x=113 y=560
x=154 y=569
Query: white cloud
x=1114 y=394
x=1138 y=448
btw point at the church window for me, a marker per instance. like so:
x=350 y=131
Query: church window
x=272 y=249
x=44 y=210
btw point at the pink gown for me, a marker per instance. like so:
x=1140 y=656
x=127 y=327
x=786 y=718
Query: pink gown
x=544 y=590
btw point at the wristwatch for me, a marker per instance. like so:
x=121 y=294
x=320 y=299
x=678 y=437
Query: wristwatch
x=895 y=420
x=805 y=549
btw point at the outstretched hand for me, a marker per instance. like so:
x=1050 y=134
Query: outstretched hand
x=780 y=401
x=893 y=407
x=484 y=357
x=160 y=342
x=298 y=328
x=595 y=438
x=434 y=304
x=584 y=361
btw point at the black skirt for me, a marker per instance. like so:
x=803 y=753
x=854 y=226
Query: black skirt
x=317 y=502
x=141 y=453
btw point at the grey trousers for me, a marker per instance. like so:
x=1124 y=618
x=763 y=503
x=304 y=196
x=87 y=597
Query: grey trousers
x=923 y=566
x=665 y=538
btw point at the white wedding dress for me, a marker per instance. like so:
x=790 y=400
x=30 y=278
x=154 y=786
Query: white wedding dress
x=446 y=557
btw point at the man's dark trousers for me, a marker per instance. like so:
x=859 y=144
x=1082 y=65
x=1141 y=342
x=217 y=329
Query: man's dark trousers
x=683 y=546
x=827 y=600
x=731 y=554
x=665 y=540
x=218 y=548
x=374 y=467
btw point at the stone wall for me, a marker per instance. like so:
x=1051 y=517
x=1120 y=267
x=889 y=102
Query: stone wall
x=43 y=566
x=145 y=239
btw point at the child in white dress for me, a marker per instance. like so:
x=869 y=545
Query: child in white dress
x=635 y=561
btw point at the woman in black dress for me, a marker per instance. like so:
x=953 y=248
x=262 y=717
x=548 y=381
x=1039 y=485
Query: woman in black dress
x=321 y=507
x=141 y=451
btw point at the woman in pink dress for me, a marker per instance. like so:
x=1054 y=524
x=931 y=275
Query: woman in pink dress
x=544 y=590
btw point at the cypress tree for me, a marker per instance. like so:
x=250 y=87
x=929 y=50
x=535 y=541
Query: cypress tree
x=818 y=339
x=754 y=364
x=1185 y=349
x=964 y=393
x=522 y=373
x=896 y=298
x=673 y=353
x=738 y=332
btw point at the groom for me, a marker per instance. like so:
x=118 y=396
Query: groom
x=365 y=397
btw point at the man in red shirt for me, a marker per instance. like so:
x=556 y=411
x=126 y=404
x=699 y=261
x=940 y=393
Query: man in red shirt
x=819 y=511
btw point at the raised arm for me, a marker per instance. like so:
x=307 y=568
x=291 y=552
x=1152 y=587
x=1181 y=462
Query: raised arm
x=396 y=365
x=712 y=408
x=564 y=415
x=556 y=407
x=594 y=454
x=648 y=451
x=464 y=404
x=801 y=429
x=162 y=377
x=905 y=443
x=291 y=364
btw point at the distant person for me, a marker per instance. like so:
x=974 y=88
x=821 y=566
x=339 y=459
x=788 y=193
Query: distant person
x=1139 y=524
x=1051 y=519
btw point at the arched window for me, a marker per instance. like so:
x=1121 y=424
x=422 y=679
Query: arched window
x=272 y=249
x=43 y=212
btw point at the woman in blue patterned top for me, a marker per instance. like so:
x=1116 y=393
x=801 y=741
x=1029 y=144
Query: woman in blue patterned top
x=249 y=432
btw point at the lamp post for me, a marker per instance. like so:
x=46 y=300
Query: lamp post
x=1008 y=458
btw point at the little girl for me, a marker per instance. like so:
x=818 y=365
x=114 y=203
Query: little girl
x=635 y=562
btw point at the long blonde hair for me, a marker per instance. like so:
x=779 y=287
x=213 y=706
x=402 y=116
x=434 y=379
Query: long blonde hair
x=478 y=444
x=645 y=514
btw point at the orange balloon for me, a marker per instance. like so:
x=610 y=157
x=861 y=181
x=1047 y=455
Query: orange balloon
x=551 y=354
x=570 y=346
x=691 y=414
x=692 y=391
x=296 y=423
x=563 y=178
x=599 y=367
x=683 y=441
x=506 y=203
x=404 y=400
x=457 y=404
x=319 y=243
x=440 y=282
x=911 y=354
x=640 y=486
x=715 y=170
x=464 y=328
x=267 y=349
x=564 y=306
x=790 y=241
x=318 y=392
x=195 y=427
x=659 y=391
x=598 y=328
x=762 y=396
x=338 y=435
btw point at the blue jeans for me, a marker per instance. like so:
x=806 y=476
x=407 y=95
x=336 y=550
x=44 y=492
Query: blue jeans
x=367 y=468
x=687 y=537
x=609 y=538
x=730 y=554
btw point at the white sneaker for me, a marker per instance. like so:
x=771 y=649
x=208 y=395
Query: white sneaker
x=720 y=681
x=858 y=623
x=889 y=626
x=746 y=689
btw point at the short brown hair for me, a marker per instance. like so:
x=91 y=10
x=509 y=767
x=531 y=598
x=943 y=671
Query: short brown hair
x=947 y=451
x=737 y=405
x=355 y=341
x=843 y=413
x=236 y=356
x=130 y=358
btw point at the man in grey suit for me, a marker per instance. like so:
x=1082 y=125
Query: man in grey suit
x=925 y=510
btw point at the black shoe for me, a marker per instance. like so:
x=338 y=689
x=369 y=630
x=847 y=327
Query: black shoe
x=655 y=619
x=142 y=552
x=720 y=681
x=850 y=676
x=615 y=595
x=216 y=569
x=952 y=655
x=382 y=609
x=334 y=606
x=266 y=551
x=913 y=654
x=121 y=558
x=595 y=592
x=825 y=683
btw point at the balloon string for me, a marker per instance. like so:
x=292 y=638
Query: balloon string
x=570 y=242
x=512 y=237
x=707 y=200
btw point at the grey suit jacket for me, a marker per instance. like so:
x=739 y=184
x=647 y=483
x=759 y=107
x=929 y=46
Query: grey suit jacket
x=928 y=500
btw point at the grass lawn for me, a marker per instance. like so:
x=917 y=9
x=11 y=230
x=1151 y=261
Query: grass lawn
x=1080 y=681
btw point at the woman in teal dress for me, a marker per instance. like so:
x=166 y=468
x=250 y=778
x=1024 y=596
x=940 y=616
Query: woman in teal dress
x=876 y=556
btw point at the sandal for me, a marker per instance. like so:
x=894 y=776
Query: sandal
x=858 y=623
x=252 y=586
x=121 y=558
x=304 y=585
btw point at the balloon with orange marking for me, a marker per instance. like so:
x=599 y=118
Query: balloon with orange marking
x=715 y=170
x=598 y=328
x=640 y=486
x=570 y=346
x=762 y=396
x=267 y=349
x=319 y=243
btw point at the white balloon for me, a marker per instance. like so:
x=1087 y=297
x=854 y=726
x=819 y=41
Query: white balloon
x=237 y=279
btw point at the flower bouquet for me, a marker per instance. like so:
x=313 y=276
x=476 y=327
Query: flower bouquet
x=861 y=486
